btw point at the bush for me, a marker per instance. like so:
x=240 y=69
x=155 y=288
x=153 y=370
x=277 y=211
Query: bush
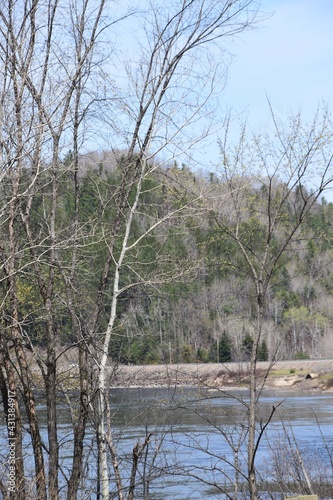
x=137 y=351
x=186 y=353
x=246 y=346
x=301 y=355
x=202 y=355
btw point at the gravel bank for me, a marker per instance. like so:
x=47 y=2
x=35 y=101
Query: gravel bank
x=308 y=374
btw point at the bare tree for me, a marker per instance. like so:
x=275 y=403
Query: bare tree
x=268 y=189
x=159 y=113
x=38 y=109
x=49 y=55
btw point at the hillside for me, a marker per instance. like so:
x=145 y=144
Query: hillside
x=186 y=289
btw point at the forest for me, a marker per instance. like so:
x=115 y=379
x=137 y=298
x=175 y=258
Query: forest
x=189 y=297
x=117 y=245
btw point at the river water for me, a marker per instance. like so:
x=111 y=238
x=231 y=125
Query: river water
x=197 y=437
x=201 y=431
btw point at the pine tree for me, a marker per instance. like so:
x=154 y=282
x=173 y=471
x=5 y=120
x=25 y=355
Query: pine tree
x=247 y=344
x=263 y=351
x=225 y=348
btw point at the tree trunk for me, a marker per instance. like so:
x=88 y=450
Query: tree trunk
x=51 y=362
x=253 y=405
x=11 y=407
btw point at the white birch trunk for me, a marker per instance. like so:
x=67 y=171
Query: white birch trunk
x=102 y=389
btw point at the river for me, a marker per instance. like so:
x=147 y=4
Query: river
x=194 y=436
x=202 y=428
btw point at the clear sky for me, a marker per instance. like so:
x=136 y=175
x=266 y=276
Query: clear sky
x=288 y=58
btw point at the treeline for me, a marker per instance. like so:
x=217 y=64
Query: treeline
x=185 y=293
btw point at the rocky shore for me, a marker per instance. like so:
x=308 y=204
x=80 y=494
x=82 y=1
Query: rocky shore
x=306 y=374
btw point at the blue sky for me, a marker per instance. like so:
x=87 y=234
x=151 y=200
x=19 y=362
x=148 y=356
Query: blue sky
x=288 y=58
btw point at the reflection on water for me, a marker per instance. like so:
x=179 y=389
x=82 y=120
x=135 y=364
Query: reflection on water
x=196 y=434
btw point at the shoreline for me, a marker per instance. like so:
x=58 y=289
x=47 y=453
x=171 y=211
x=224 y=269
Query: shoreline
x=298 y=374
x=307 y=374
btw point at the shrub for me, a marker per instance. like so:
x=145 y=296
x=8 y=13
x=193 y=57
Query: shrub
x=301 y=355
x=202 y=355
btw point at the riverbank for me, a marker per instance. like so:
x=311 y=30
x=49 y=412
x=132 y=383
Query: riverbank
x=307 y=374
x=300 y=374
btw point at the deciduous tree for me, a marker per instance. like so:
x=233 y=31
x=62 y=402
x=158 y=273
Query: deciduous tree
x=292 y=168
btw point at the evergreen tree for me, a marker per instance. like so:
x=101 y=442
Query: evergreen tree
x=263 y=351
x=225 y=348
x=247 y=344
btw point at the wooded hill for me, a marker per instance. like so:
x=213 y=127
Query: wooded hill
x=186 y=294
x=130 y=257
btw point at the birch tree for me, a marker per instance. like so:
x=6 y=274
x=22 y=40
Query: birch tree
x=57 y=85
x=158 y=112
x=167 y=97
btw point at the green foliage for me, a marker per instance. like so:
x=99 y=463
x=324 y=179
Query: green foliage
x=327 y=282
x=253 y=234
x=319 y=226
x=225 y=348
x=198 y=275
x=312 y=250
x=301 y=355
x=186 y=353
x=90 y=196
x=288 y=299
x=202 y=355
x=213 y=352
x=247 y=345
x=297 y=315
x=136 y=351
x=262 y=354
